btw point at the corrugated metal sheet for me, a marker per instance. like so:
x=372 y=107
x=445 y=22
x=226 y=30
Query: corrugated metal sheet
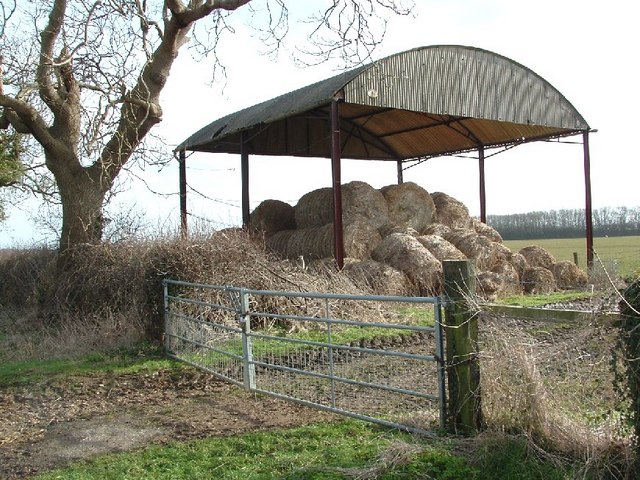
x=423 y=102
x=467 y=82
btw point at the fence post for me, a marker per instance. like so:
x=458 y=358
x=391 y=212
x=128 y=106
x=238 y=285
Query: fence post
x=464 y=414
x=249 y=368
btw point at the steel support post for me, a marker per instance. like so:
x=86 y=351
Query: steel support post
x=587 y=191
x=336 y=153
x=483 y=191
x=182 y=178
x=400 y=172
x=244 y=168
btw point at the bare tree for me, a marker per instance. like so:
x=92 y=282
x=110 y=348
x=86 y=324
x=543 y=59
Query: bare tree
x=84 y=77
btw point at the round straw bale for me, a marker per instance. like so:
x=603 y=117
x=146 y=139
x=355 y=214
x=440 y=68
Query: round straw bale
x=436 y=229
x=538 y=257
x=488 y=284
x=315 y=209
x=380 y=278
x=409 y=205
x=408 y=255
x=500 y=253
x=486 y=230
x=487 y=254
x=311 y=243
x=359 y=199
x=400 y=229
x=469 y=243
x=495 y=255
x=518 y=262
x=568 y=275
x=272 y=216
x=440 y=248
x=317 y=242
x=538 y=280
x=360 y=238
x=509 y=279
x=279 y=241
x=462 y=236
x=500 y=282
x=451 y=212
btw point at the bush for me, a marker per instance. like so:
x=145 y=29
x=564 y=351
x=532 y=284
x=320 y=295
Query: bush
x=123 y=282
x=630 y=343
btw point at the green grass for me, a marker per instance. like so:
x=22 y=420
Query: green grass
x=341 y=450
x=143 y=359
x=625 y=251
x=543 y=299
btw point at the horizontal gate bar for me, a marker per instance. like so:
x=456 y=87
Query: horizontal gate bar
x=348 y=413
x=349 y=381
x=340 y=321
x=390 y=353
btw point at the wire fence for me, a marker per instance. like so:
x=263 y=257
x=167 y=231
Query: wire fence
x=376 y=358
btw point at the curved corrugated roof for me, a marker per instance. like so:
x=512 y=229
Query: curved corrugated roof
x=423 y=102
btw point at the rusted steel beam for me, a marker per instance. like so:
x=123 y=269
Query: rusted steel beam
x=587 y=191
x=483 y=191
x=244 y=169
x=182 y=180
x=336 y=154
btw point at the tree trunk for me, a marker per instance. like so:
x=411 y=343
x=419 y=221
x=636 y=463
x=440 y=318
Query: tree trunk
x=82 y=201
x=82 y=223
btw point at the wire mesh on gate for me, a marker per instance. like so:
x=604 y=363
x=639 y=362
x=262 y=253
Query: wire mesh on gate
x=201 y=328
x=371 y=357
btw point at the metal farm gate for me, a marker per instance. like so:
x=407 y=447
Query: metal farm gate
x=376 y=358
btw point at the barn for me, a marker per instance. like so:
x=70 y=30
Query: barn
x=406 y=108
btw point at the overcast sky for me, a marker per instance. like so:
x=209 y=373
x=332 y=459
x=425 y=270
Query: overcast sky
x=585 y=48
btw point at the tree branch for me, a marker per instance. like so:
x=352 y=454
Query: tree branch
x=141 y=110
x=29 y=120
x=200 y=9
x=48 y=38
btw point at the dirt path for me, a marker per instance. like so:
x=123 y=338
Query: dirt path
x=57 y=422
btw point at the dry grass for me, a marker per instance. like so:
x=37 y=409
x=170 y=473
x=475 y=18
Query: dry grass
x=110 y=294
x=27 y=337
x=554 y=385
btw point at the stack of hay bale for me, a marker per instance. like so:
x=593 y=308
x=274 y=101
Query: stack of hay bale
x=396 y=238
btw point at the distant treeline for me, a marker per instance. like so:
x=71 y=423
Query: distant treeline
x=619 y=221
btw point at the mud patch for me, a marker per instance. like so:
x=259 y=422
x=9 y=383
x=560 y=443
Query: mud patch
x=71 y=441
x=52 y=424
